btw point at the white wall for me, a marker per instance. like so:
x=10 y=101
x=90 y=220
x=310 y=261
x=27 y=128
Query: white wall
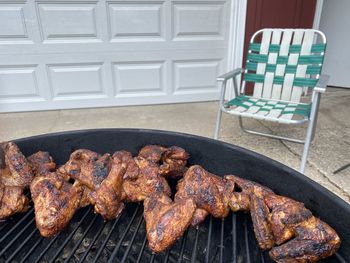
x=335 y=23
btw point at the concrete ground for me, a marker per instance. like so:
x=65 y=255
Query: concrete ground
x=329 y=151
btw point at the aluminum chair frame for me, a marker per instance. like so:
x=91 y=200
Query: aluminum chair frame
x=319 y=88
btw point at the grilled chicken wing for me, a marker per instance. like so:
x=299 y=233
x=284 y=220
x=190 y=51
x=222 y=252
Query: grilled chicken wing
x=262 y=228
x=107 y=199
x=15 y=175
x=85 y=199
x=100 y=179
x=87 y=167
x=166 y=220
x=147 y=182
x=17 y=170
x=12 y=201
x=285 y=215
x=314 y=241
x=132 y=169
x=239 y=191
x=203 y=188
x=172 y=160
x=42 y=163
x=55 y=202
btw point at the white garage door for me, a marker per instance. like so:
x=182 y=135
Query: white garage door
x=86 y=53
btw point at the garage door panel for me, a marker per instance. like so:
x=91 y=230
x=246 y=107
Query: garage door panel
x=67 y=21
x=198 y=76
x=19 y=83
x=139 y=78
x=133 y=20
x=76 y=81
x=198 y=20
x=13 y=27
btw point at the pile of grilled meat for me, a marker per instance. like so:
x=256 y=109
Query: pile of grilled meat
x=281 y=225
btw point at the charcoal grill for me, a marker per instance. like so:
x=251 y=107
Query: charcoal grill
x=88 y=238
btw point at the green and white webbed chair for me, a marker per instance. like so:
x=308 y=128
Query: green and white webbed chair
x=282 y=67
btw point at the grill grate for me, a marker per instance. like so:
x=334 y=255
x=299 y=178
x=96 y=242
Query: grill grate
x=89 y=238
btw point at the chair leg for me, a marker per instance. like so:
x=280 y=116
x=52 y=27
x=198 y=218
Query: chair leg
x=310 y=129
x=218 y=123
x=309 y=136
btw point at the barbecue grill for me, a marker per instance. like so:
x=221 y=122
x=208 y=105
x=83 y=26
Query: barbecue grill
x=88 y=238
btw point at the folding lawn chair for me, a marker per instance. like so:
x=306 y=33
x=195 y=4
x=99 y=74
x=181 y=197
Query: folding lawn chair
x=281 y=66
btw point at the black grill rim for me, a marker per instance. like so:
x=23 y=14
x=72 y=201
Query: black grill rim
x=233 y=159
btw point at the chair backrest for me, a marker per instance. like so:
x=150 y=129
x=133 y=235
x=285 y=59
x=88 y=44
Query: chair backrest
x=284 y=62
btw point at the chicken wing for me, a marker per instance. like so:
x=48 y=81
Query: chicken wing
x=42 y=163
x=314 y=241
x=55 y=202
x=15 y=175
x=239 y=190
x=166 y=220
x=87 y=167
x=172 y=160
x=85 y=199
x=285 y=215
x=107 y=199
x=12 y=201
x=132 y=170
x=100 y=180
x=147 y=182
x=17 y=170
x=261 y=225
x=203 y=188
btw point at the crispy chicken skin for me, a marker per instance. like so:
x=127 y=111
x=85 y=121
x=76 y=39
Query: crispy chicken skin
x=132 y=169
x=152 y=153
x=199 y=216
x=147 y=182
x=87 y=167
x=42 y=163
x=172 y=160
x=199 y=185
x=166 y=221
x=314 y=241
x=55 y=202
x=15 y=175
x=12 y=201
x=285 y=215
x=261 y=225
x=239 y=191
x=107 y=199
x=85 y=199
x=100 y=180
x=17 y=170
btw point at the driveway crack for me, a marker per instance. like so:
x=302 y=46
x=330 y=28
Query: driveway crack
x=321 y=172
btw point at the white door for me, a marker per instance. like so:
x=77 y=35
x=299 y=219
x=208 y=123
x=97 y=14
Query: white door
x=58 y=54
x=335 y=22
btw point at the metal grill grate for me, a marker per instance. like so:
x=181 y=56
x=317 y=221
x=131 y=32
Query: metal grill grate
x=88 y=238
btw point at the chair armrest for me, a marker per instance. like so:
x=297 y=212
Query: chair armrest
x=322 y=84
x=230 y=74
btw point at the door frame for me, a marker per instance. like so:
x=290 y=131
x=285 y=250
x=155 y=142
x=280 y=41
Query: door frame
x=317 y=16
x=238 y=14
